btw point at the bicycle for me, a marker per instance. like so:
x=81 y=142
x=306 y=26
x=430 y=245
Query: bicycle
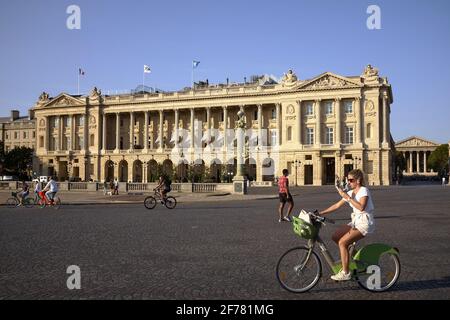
x=376 y=267
x=151 y=201
x=44 y=201
x=14 y=201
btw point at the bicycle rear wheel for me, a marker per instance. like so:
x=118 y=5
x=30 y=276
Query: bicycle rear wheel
x=381 y=277
x=150 y=202
x=12 y=202
x=296 y=272
x=29 y=202
x=56 y=203
x=170 y=203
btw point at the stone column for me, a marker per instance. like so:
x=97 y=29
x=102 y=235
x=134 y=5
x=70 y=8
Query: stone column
x=299 y=122
x=425 y=161
x=418 y=162
x=145 y=132
x=225 y=127
x=359 y=120
x=208 y=123
x=86 y=134
x=177 y=133
x=278 y=112
x=60 y=133
x=385 y=119
x=117 y=132
x=131 y=131
x=410 y=169
x=318 y=123
x=338 y=135
x=72 y=132
x=104 y=133
x=260 y=125
x=161 y=131
x=47 y=134
x=191 y=133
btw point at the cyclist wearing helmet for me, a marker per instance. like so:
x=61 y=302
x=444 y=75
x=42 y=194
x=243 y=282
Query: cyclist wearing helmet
x=360 y=199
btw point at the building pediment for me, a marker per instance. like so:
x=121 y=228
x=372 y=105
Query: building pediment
x=328 y=81
x=63 y=100
x=416 y=142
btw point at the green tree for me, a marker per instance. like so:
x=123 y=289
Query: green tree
x=438 y=159
x=18 y=161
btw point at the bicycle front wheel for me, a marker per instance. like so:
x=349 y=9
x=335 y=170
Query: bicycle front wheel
x=150 y=202
x=171 y=203
x=12 y=203
x=381 y=277
x=56 y=203
x=299 y=270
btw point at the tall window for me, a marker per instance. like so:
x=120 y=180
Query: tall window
x=309 y=136
x=329 y=136
x=309 y=109
x=80 y=120
x=369 y=167
x=80 y=142
x=369 y=131
x=348 y=106
x=255 y=115
x=15 y=134
x=289 y=133
x=24 y=135
x=92 y=140
x=273 y=137
x=328 y=107
x=274 y=114
x=66 y=122
x=41 y=142
x=348 y=135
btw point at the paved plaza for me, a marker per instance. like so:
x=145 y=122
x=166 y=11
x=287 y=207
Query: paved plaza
x=221 y=249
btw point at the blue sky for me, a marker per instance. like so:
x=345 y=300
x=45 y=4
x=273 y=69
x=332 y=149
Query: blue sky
x=233 y=39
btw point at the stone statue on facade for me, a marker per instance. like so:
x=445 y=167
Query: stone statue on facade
x=289 y=78
x=370 y=75
x=96 y=93
x=44 y=97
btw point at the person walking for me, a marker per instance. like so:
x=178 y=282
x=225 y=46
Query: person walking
x=116 y=187
x=285 y=196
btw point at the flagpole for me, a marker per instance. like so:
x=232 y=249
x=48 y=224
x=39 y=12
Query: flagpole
x=78 y=82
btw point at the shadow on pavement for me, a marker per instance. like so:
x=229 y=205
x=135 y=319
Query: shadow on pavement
x=422 y=284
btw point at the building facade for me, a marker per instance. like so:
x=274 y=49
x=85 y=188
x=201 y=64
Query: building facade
x=17 y=131
x=319 y=129
x=416 y=152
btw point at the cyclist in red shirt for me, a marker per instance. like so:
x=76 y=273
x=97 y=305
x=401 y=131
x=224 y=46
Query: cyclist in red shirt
x=285 y=196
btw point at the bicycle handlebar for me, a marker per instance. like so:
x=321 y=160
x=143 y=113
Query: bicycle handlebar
x=320 y=218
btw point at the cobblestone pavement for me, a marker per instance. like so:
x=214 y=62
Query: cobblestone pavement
x=220 y=250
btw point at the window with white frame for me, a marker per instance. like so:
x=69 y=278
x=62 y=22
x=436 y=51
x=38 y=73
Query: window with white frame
x=273 y=137
x=348 y=106
x=309 y=109
x=329 y=135
x=309 y=136
x=348 y=135
x=328 y=107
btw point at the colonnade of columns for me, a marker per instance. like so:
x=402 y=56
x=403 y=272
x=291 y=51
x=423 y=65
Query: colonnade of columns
x=414 y=159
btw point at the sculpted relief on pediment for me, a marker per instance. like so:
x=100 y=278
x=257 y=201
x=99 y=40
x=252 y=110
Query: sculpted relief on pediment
x=415 y=142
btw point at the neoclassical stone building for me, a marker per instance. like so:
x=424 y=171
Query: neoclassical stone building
x=318 y=128
x=17 y=131
x=416 y=152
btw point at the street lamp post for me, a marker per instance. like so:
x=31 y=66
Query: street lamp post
x=297 y=163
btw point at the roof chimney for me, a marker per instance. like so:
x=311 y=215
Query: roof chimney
x=15 y=115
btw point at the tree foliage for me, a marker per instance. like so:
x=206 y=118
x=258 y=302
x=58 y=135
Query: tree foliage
x=438 y=159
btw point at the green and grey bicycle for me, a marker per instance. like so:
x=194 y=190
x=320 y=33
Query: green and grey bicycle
x=376 y=267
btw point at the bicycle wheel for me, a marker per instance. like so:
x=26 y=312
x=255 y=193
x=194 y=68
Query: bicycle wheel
x=295 y=273
x=150 y=202
x=170 y=203
x=29 y=202
x=41 y=203
x=56 y=203
x=12 y=202
x=381 y=277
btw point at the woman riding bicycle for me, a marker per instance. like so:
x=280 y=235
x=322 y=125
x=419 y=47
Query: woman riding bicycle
x=164 y=187
x=360 y=199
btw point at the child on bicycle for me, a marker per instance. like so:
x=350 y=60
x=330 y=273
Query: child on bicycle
x=360 y=199
x=23 y=193
x=164 y=187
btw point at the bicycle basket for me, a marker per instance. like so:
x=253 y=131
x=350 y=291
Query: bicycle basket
x=304 y=229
